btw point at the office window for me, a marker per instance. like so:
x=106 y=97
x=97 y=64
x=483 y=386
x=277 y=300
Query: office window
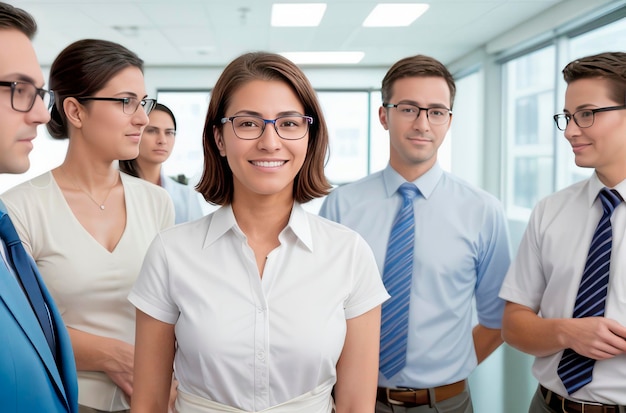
x=379 y=137
x=604 y=39
x=529 y=130
x=538 y=159
x=346 y=114
x=190 y=109
x=467 y=132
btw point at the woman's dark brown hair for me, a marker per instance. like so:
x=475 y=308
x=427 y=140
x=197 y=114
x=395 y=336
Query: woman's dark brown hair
x=82 y=69
x=216 y=184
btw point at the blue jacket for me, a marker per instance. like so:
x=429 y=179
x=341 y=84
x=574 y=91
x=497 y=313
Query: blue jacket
x=30 y=381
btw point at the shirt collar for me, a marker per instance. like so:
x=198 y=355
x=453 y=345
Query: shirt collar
x=595 y=185
x=223 y=220
x=425 y=183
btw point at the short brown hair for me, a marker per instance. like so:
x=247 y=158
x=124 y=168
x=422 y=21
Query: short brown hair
x=82 y=69
x=416 y=66
x=216 y=184
x=610 y=66
x=13 y=18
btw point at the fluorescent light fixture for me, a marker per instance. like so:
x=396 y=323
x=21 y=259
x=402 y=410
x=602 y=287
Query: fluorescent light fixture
x=297 y=15
x=395 y=14
x=324 y=58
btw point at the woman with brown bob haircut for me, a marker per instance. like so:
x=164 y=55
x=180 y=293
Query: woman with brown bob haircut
x=216 y=184
x=260 y=306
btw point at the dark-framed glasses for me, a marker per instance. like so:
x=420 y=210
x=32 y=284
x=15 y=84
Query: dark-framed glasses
x=129 y=104
x=24 y=94
x=291 y=127
x=436 y=116
x=584 y=118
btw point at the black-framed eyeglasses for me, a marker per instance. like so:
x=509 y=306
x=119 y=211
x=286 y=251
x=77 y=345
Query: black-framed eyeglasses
x=436 y=116
x=24 y=94
x=129 y=104
x=584 y=118
x=249 y=127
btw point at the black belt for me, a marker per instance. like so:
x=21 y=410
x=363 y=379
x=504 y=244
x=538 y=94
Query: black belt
x=563 y=405
x=418 y=397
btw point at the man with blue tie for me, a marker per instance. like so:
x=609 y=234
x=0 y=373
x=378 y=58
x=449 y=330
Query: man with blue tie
x=439 y=242
x=37 y=368
x=566 y=289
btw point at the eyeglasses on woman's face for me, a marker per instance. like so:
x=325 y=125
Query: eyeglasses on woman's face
x=129 y=104
x=249 y=127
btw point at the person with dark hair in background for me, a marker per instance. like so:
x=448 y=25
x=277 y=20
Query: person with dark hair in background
x=439 y=242
x=566 y=289
x=260 y=305
x=157 y=143
x=37 y=368
x=86 y=224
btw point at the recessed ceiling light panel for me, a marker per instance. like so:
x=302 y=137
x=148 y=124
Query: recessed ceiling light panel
x=297 y=15
x=395 y=14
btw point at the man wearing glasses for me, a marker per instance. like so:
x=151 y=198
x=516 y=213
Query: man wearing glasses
x=37 y=369
x=439 y=243
x=566 y=289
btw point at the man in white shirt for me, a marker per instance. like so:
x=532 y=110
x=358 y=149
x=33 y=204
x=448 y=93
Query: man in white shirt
x=566 y=290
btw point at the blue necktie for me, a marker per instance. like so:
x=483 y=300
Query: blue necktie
x=397 y=275
x=26 y=276
x=575 y=370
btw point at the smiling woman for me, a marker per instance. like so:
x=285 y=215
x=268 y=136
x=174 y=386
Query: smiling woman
x=86 y=225
x=259 y=282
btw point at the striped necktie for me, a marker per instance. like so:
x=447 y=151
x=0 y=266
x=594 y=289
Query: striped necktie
x=397 y=275
x=575 y=370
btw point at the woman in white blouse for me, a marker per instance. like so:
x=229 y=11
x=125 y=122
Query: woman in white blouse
x=260 y=306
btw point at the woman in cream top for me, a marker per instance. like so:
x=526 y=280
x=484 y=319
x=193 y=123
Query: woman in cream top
x=86 y=224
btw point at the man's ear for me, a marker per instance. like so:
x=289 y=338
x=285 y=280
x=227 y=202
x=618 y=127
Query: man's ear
x=382 y=116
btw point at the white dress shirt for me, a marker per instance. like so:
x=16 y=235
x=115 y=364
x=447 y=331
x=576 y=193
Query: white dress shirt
x=252 y=342
x=546 y=274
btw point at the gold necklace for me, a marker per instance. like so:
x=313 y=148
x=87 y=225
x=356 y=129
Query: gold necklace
x=75 y=183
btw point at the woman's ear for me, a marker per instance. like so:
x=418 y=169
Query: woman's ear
x=219 y=140
x=74 y=112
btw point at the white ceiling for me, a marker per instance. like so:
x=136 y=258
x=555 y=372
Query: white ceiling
x=211 y=32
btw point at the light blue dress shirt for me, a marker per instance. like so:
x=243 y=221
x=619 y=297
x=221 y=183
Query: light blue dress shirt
x=186 y=202
x=461 y=254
